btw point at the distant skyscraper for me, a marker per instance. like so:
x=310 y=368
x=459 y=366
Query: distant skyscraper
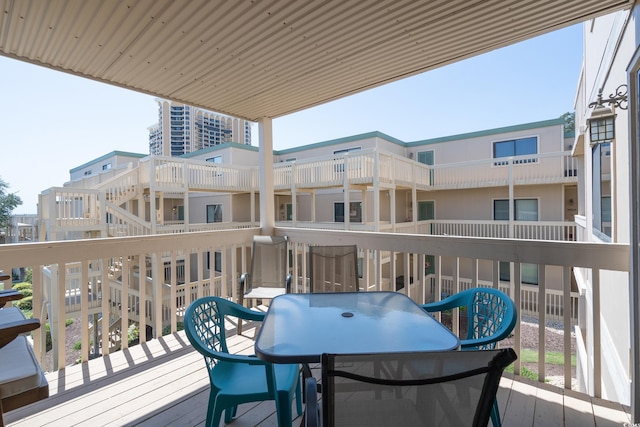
x=183 y=129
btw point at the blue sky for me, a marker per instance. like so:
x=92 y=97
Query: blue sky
x=51 y=122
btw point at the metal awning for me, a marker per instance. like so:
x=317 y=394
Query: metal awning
x=268 y=58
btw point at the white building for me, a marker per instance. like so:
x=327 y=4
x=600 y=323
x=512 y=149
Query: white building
x=606 y=145
x=184 y=129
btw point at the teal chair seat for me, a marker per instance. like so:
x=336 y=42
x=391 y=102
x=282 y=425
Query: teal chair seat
x=491 y=317
x=234 y=378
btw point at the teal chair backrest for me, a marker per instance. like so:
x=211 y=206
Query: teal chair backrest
x=204 y=324
x=492 y=315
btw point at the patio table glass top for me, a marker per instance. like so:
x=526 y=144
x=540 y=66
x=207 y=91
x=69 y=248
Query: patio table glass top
x=299 y=328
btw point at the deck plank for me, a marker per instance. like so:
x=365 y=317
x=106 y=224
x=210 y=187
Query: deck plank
x=520 y=407
x=547 y=411
x=164 y=383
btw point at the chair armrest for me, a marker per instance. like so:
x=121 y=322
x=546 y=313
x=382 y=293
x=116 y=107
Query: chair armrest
x=10 y=295
x=311 y=409
x=445 y=304
x=10 y=330
x=244 y=313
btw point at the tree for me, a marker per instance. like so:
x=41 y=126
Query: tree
x=8 y=202
x=569 y=122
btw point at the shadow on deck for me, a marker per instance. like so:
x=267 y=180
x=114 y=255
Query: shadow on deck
x=164 y=383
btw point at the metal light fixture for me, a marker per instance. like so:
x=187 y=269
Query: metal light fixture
x=602 y=119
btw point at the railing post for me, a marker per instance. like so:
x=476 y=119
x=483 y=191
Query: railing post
x=597 y=336
x=567 y=307
x=542 y=321
x=511 y=200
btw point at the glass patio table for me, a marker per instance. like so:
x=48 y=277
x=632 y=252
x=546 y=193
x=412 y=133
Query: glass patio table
x=299 y=328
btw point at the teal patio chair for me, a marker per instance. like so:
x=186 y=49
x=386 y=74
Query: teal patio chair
x=234 y=378
x=491 y=316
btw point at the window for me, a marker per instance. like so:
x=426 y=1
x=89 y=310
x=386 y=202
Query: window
x=523 y=210
x=289 y=211
x=516 y=147
x=217 y=263
x=355 y=212
x=427 y=158
x=106 y=167
x=346 y=150
x=528 y=273
x=214 y=213
x=180 y=213
x=216 y=159
x=601 y=189
x=426 y=210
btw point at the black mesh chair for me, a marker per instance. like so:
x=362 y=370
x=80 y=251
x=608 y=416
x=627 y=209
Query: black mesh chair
x=333 y=269
x=453 y=388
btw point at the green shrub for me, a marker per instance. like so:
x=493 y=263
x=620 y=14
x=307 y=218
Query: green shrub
x=22 y=286
x=25 y=304
x=167 y=329
x=133 y=332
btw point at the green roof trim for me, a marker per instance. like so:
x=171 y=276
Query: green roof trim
x=353 y=138
x=496 y=131
x=106 y=156
x=218 y=148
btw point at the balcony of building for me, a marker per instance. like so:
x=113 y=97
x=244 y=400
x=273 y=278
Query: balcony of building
x=121 y=204
x=99 y=279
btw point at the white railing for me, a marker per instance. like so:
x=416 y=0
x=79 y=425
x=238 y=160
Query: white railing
x=110 y=267
x=361 y=167
x=521 y=170
x=121 y=188
x=122 y=223
x=171 y=174
x=537 y=230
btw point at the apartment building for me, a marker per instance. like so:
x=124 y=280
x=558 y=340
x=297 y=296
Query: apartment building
x=183 y=129
x=513 y=182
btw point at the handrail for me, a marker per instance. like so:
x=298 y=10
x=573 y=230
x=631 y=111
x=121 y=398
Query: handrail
x=106 y=270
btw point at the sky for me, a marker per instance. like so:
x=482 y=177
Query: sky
x=51 y=122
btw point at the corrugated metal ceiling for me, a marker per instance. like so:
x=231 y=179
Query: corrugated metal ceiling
x=268 y=58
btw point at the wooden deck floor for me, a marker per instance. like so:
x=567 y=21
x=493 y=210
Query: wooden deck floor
x=164 y=383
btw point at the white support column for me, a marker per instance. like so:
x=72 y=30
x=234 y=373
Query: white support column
x=376 y=192
x=166 y=128
x=152 y=196
x=253 y=206
x=345 y=191
x=414 y=207
x=511 y=202
x=267 y=212
x=392 y=208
